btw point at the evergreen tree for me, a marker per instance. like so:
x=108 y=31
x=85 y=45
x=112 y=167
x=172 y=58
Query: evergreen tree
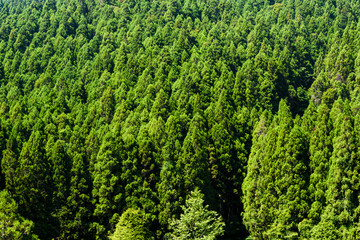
x=111 y=105
x=168 y=187
x=106 y=191
x=33 y=186
x=197 y=221
x=13 y=225
x=291 y=187
x=253 y=185
x=193 y=160
x=77 y=210
x=342 y=179
x=133 y=224
x=320 y=151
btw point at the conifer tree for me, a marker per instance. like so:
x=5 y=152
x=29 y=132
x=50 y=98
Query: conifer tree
x=133 y=224
x=253 y=185
x=111 y=105
x=343 y=177
x=168 y=188
x=290 y=184
x=76 y=212
x=33 y=185
x=320 y=149
x=197 y=221
x=107 y=190
x=12 y=224
x=193 y=160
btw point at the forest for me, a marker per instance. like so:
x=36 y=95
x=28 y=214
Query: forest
x=180 y=119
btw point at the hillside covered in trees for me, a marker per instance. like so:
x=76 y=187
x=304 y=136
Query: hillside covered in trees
x=145 y=118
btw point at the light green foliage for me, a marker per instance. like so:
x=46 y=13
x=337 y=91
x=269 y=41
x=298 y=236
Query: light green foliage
x=12 y=225
x=275 y=187
x=108 y=105
x=133 y=224
x=343 y=178
x=197 y=222
x=253 y=185
x=320 y=149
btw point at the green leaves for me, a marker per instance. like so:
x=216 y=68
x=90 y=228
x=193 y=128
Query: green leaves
x=111 y=105
x=133 y=224
x=196 y=221
x=12 y=224
x=275 y=196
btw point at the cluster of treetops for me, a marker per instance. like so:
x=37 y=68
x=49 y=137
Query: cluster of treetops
x=134 y=115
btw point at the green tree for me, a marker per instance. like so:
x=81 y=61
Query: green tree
x=290 y=187
x=133 y=224
x=273 y=190
x=106 y=192
x=33 y=185
x=12 y=224
x=197 y=221
x=253 y=185
x=343 y=179
x=320 y=148
x=193 y=160
x=168 y=188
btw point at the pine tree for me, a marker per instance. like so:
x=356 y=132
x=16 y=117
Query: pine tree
x=253 y=185
x=12 y=224
x=168 y=187
x=197 y=221
x=342 y=180
x=61 y=169
x=33 y=185
x=193 y=160
x=108 y=105
x=106 y=193
x=77 y=210
x=290 y=184
x=320 y=151
x=133 y=224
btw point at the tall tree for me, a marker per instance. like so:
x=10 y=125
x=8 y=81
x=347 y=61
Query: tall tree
x=33 y=185
x=342 y=180
x=106 y=193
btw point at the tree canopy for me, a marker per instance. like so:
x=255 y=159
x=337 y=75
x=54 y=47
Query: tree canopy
x=117 y=117
x=196 y=221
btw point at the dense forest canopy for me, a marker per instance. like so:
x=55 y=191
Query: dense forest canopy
x=136 y=117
